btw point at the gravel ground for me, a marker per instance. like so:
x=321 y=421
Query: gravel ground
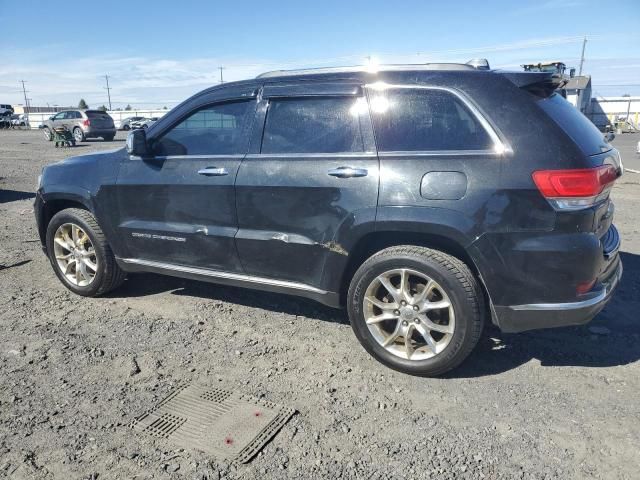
x=74 y=372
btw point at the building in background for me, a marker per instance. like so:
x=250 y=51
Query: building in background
x=578 y=90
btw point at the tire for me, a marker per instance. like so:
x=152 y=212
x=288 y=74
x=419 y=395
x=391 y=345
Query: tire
x=109 y=138
x=47 y=134
x=144 y=127
x=452 y=284
x=78 y=134
x=108 y=275
x=126 y=128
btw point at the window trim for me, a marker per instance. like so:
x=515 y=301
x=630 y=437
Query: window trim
x=361 y=127
x=499 y=146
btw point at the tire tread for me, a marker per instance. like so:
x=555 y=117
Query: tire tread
x=467 y=280
x=114 y=276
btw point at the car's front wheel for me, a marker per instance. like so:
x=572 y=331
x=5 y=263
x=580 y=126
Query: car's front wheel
x=80 y=255
x=109 y=138
x=416 y=310
x=126 y=128
x=47 y=134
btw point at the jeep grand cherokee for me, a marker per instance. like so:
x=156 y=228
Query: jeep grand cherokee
x=424 y=199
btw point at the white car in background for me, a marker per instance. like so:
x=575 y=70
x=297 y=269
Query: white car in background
x=146 y=123
x=125 y=124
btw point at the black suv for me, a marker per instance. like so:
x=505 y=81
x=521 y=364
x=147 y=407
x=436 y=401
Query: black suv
x=424 y=199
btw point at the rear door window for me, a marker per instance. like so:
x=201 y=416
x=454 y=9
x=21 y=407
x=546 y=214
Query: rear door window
x=422 y=119
x=214 y=130
x=313 y=125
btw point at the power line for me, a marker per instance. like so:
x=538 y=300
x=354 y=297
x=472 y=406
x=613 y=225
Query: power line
x=108 y=90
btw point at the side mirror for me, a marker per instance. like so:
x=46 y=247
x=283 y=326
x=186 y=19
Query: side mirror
x=609 y=136
x=137 y=143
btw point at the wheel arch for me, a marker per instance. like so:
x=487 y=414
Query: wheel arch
x=53 y=204
x=378 y=240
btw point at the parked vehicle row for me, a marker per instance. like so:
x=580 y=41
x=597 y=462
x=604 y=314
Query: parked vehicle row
x=419 y=198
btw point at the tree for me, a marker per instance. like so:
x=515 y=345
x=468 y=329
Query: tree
x=128 y=107
x=82 y=105
x=102 y=108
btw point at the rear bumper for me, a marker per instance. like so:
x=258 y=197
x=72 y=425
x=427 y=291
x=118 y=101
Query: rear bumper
x=519 y=318
x=99 y=132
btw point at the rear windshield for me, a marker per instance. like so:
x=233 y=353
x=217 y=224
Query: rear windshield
x=96 y=114
x=575 y=124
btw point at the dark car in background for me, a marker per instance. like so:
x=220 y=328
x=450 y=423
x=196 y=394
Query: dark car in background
x=82 y=123
x=423 y=199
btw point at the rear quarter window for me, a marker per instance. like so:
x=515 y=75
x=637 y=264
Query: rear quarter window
x=584 y=133
x=417 y=119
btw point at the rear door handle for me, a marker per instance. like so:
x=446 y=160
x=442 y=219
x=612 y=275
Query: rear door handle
x=348 y=172
x=213 y=172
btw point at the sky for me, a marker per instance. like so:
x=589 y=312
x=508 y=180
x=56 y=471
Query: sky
x=157 y=53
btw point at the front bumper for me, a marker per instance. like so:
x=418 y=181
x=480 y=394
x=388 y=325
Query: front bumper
x=520 y=318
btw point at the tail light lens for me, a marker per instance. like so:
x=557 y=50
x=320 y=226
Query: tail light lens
x=575 y=189
x=86 y=123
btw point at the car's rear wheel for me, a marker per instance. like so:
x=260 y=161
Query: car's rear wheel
x=80 y=255
x=416 y=310
x=47 y=134
x=78 y=134
x=109 y=138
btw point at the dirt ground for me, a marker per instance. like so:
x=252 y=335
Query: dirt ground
x=74 y=372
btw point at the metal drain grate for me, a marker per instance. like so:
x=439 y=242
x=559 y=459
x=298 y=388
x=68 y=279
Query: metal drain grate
x=216 y=395
x=224 y=424
x=165 y=425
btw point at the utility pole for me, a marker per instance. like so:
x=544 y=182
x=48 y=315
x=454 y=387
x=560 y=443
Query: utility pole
x=26 y=100
x=221 y=79
x=584 y=44
x=106 y=77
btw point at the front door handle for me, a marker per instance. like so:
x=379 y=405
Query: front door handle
x=348 y=172
x=213 y=172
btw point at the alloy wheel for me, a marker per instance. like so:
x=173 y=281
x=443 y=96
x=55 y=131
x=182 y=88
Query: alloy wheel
x=409 y=314
x=75 y=254
x=77 y=134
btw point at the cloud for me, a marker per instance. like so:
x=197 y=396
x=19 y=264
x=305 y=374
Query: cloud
x=135 y=80
x=155 y=82
x=541 y=7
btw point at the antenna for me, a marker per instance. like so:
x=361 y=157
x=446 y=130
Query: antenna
x=221 y=79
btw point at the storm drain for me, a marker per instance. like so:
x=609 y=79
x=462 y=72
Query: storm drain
x=227 y=425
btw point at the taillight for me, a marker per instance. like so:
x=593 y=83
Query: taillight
x=575 y=189
x=86 y=123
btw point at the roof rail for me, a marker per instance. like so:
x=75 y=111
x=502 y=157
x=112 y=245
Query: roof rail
x=371 y=68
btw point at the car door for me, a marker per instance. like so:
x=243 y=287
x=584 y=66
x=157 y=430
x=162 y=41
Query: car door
x=178 y=206
x=58 y=119
x=311 y=176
